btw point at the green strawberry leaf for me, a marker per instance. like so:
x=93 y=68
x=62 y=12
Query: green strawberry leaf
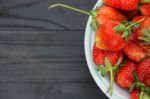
x=93 y=13
x=102 y=70
x=139 y=85
x=120 y=28
x=145 y=1
x=145 y=39
x=127 y=27
x=94 y=25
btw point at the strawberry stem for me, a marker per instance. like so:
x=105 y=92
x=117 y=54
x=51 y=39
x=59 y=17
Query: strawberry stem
x=136 y=22
x=141 y=95
x=145 y=1
x=111 y=82
x=146 y=36
x=68 y=7
x=110 y=69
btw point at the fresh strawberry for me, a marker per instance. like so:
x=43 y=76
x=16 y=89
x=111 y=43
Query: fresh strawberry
x=113 y=35
x=123 y=4
x=145 y=9
x=124 y=77
x=147 y=82
x=144 y=47
x=106 y=13
x=107 y=39
x=134 y=52
x=135 y=94
x=143 y=70
x=143 y=25
x=100 y=55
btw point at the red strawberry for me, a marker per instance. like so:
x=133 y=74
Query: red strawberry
x=143 y=70
x=147 y=82
x=100 y=55
x=123 y=4
x=145 y=9
x=143 y=25
x=134 y=52
x=107 y=39
x=124 y=77
x=144 y=47
x=106 y=13
x=135 y=94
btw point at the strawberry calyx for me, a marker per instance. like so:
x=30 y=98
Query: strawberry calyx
x=126 y=28
x=145 y=1
x=139 y=85
x=146 y=36
x=107 y=67
x=93 y=13
x=144 y=95
x=95 y=24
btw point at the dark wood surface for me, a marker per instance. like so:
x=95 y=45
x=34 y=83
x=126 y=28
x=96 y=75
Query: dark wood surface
x=42 y=52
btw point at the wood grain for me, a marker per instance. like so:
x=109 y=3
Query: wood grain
x=42 y=51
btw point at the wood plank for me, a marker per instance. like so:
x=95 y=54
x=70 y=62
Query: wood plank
x=34 y=15
x=50 y=91
x=34 y=55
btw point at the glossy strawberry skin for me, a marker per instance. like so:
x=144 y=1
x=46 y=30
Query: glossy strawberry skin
x=143 y=25
x=107 y=39
x=145 y=9
x=147 y=82
x=123 y=4
x=124 y=77
x=106 y=13
x=100 y=55
x=134 y=52
x=143 y=70
x=144 y=47
x=135 y=94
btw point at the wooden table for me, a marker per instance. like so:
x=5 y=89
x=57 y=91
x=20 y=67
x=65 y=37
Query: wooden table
x=42 y=52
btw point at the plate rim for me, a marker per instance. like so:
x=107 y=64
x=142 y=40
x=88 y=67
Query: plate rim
x=88 y=57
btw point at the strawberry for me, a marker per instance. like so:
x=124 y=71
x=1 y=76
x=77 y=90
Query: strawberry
x=124 y=76
x=135 y=94
x=106 y=13
x=123 y=4
x=145 y=9
x=134 y=52
x=144 y=47
x=147 y=82
x=99 y=56
x=143 y=25
x=113 y=35
x=107 y=39
x=143 y=70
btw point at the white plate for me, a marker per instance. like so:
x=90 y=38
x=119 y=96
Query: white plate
x=103 y=83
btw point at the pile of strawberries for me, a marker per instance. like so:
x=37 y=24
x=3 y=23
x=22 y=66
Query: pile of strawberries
x=122 y=44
